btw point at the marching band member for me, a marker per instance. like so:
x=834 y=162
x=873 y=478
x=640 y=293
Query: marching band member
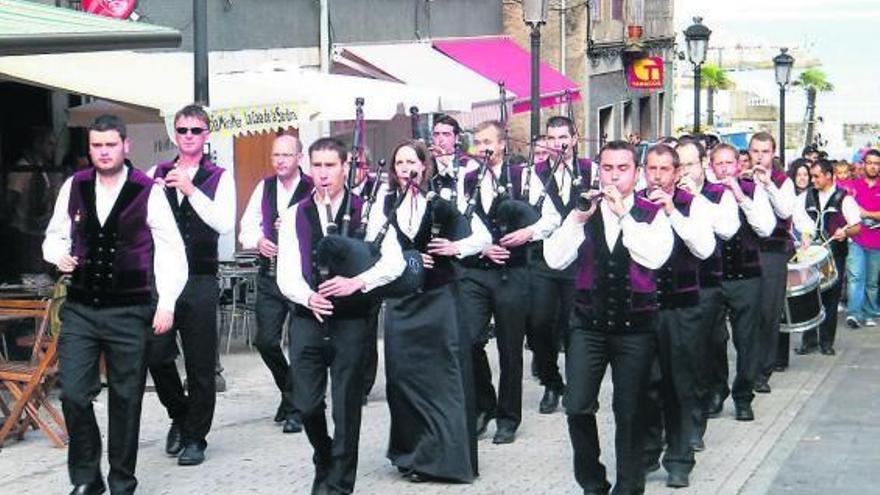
x=427 y=379
x=331 y=327
x=259 y=229
x=114 y=232
x=829 y=214
x=617 y=245
x=444 y=137
x=553 y=290
x=495 y=283
x=776 y=249
x=673 y=383
x=202 y=197
x=725 y=224
x=740 y=287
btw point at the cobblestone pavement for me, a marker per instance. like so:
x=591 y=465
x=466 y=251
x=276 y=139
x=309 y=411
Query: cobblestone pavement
x=248 y=454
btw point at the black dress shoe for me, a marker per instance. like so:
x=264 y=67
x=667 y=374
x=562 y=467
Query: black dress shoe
x=550 y=400
x=780 y=367
x=292 y=425
x=804 y=350
x=828 y=351
x=280 y=414
x=744 y=412
x=698 y=445
x=174 y=440
x=598 y=491
x=762 y=387
x=677 y=480
x=193 y=454
x=483 y=419
x=93 y=488
x=651 y=465
x=716 y=405
x=504 y=435
x=417 y=477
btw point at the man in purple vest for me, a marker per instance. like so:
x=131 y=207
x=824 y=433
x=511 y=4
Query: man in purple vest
x=828 y=214
x=114 y=233
x=740 y=287
x=495 y=283
x=617 y=247
x=776 y=250
x=202 y=197
x=725 y=223
x=552 y=291
x=259 y=229
x=672 y=398
x=331 y=325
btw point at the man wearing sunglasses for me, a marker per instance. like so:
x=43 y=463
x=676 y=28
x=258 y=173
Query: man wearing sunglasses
x=202 y=198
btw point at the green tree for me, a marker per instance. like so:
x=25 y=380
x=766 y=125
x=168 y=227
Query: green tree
x=713 y=78
x=813 y=81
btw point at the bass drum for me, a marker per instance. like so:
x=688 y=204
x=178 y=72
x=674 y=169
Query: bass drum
x=803 y=308
x=820 y=257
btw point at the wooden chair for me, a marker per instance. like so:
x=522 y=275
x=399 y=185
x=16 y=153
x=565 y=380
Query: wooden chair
x=29 y=382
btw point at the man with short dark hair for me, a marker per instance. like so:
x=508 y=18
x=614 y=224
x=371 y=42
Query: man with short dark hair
x=202 y=197
x=776 y=250
x=617 y=246
x=259 y=229
x=451 y=164
x=114 y=233
x=331 y=325
x=863 y=259
x=830 y=215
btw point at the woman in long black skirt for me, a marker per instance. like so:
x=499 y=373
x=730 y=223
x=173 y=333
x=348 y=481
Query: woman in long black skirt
x=427 y=388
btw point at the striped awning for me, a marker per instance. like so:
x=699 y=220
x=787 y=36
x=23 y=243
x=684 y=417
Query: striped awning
x=32 y=28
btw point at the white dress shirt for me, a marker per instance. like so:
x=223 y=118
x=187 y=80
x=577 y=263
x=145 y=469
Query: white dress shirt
x=409 y=218
x=649 y=244
x=169 y=260
x=781 y=198
x=251 y=225
x=696 y=229
x=542 y=228
x=725 y=216
x=806 y=225
x=219 y=213
x=290 y=280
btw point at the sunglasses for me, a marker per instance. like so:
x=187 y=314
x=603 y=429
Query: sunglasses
x=194 y=130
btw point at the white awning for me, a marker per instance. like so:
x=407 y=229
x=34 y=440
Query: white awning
x=246 y=96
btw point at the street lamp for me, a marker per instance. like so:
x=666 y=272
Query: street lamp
x=534 y=15
x=697 y=37
x=783 y=64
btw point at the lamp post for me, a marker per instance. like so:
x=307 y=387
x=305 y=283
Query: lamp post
x=697 y=37
x=783 y=64
x=535 y=15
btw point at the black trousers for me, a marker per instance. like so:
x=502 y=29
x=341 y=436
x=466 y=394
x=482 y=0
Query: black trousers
x=121 y=335
x=372 y=359
x=486 y=293
x=743 y=307
x=548 y=322
x=672 y=401
x=272 y=309
x=830 y=299
x=338 y=346
x=195 y=318
x=630 y=355
x=712 y=336
x=774 y=278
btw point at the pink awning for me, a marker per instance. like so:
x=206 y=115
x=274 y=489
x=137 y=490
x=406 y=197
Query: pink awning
x=498 y=58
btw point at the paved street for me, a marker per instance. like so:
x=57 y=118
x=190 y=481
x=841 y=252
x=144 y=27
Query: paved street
x=816 y=430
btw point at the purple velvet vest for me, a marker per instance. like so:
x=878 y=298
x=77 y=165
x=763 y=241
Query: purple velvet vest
x=780 y=240
x=519 y=255
x=741 y=255
x=678 y=280
x=269 y=208
x=614 y=293
x=116 y=259
x=309 y=232
x=198 y=237
x=828 y=219
x=443 y=271
x=710 y=268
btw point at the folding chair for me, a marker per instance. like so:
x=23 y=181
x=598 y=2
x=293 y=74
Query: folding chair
x=29 y=382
